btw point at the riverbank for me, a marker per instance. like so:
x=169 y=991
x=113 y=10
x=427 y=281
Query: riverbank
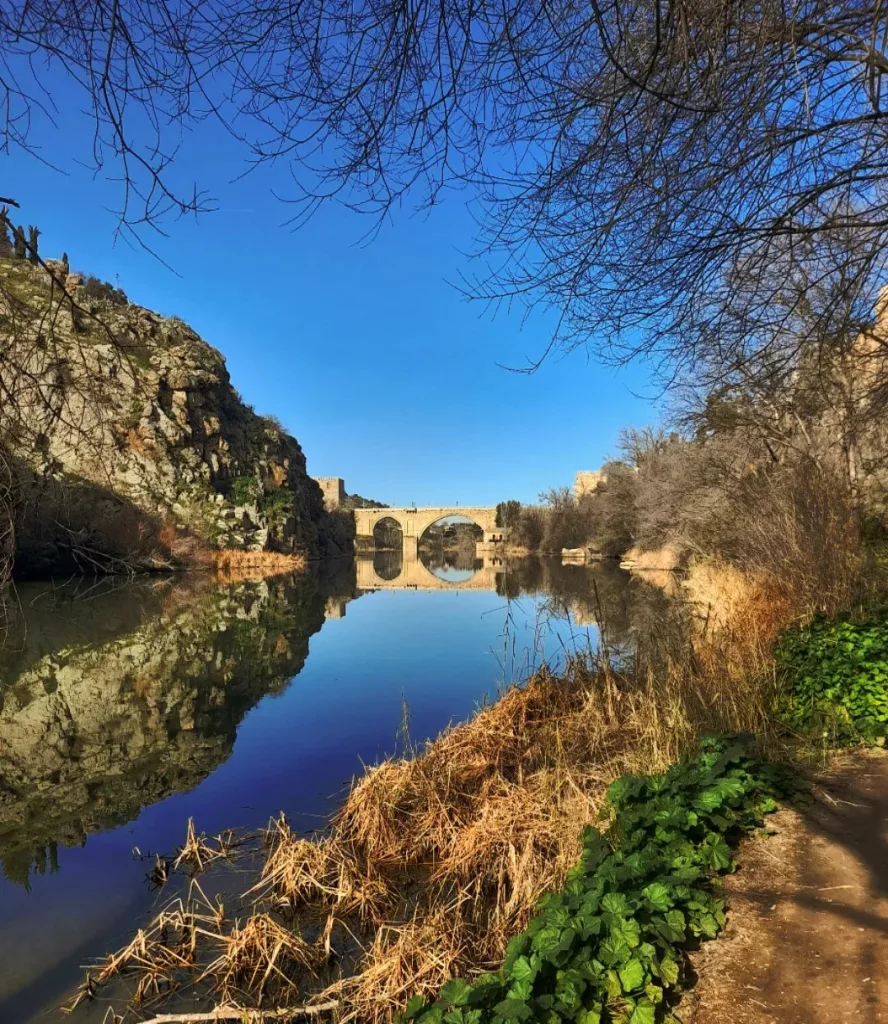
x=437 y=859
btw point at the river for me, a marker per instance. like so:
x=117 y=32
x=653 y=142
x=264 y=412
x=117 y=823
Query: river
x=127 y=707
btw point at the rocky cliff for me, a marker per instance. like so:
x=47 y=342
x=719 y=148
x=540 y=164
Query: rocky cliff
x=128 y=440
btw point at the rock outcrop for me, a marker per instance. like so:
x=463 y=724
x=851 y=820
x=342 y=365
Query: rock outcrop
x=128 y=439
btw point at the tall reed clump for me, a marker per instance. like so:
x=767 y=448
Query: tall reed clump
x=434 y=862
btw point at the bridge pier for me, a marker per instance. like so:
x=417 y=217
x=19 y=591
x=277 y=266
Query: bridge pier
x=411 y=547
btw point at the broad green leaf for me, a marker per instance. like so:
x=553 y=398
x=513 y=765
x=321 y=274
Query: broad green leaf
x=632 y=975
x=654 y=993
x=644 y=1013
x=522 y=970
x=629 y=931
x=513 y=1009
x=658 y=896
x=669 y=970
x=520 y=990
x=613 y=951
x=455 y=992
x=616 y=903
x=432 y=1015
x=414 y=1005
x=612 y=985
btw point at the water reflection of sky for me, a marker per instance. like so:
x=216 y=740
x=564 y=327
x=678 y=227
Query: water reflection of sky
x=439 y=653
x=453 y=575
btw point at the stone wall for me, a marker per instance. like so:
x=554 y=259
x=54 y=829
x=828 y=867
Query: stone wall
x=333 y=490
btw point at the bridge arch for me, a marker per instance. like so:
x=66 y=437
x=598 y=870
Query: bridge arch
x=388 y=532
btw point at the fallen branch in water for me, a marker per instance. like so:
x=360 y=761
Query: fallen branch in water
x=238 y=1014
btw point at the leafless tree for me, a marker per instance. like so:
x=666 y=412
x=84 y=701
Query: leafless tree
x=640 y=162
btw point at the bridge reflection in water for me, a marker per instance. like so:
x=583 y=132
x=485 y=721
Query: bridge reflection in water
x=374 y=573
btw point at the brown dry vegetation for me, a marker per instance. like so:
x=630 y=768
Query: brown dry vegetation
x=435 y=861
x=232 y=564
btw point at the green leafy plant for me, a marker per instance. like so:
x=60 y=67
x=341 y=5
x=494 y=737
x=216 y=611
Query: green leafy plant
x=835 y=677
x=276 y=506
x=244 y=490
x=608 y=946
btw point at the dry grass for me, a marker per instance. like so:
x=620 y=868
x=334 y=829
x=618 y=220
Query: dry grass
x=260 y=956
x=239 y=565
x=435 y=861
x=197 y=852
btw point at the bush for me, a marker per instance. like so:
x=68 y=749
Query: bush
x=244 y=490
x=835 y=677
x=104 y=291
x=530 y=528
x=273 y=423
x=276 y=506
x=508 y=513
x=608 y=946
x=566 y=525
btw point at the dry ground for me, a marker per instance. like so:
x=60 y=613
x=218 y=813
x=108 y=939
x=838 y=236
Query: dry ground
x=807 y=936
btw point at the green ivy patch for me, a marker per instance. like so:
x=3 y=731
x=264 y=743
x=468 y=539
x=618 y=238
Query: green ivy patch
x=608 y=946
x=835 y=677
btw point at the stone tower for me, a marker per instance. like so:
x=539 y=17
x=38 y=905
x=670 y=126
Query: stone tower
x=333 y=489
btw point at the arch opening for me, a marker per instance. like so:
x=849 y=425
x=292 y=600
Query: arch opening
x=448 y=548
x=388 y=548
x=388 y=535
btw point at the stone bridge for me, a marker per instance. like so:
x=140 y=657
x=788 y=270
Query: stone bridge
x=415 y=576
x=415 y=521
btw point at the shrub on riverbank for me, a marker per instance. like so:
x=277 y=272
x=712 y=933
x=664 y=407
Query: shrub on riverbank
x=835 y=678
x=796 y=520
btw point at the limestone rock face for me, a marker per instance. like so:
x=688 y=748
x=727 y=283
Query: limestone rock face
x=110 y=402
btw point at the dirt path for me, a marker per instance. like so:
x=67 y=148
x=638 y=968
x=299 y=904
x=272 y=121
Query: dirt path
x=807 y=935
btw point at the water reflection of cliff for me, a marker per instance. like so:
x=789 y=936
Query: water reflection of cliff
x=113 y=697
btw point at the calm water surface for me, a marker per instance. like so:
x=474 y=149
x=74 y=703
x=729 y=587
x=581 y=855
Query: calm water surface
x=125 y=708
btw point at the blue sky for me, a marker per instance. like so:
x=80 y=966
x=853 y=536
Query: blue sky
x=368 y=355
